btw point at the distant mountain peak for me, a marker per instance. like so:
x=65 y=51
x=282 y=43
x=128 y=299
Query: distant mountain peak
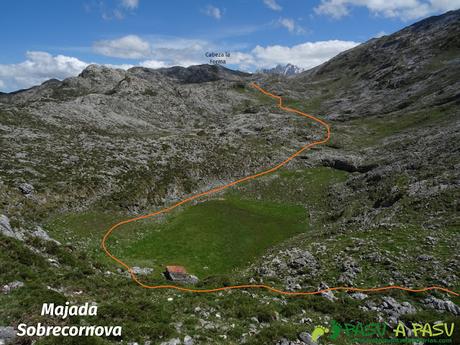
x=287 y=70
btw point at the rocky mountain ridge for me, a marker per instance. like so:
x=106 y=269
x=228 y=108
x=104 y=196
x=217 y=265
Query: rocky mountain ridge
x=285 y=70
x=414 y=68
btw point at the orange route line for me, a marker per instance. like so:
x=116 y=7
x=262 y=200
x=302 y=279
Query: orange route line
x=251 y=177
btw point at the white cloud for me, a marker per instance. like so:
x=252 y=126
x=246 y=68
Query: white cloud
x=287 y=23
x=129 y=47
x=272 y=4
x=117 y=14
x=38 y=67
x=334 y=8
x=124 y=66
x=110 y=10
x=130 y=4
x=305 y=55
x=380 y=34
x=244 y=61
x=180 y=51
x=41 y=66
x=166 y=52
x=213 y=11
x=403 y=9
x=445 y=5
x=153 y=64
x=157 y=50
x=291 y=25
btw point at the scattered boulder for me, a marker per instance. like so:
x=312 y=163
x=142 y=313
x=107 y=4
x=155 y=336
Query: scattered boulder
x=349 y=271
x=54 y=262
x=358 y=295
x=292 y=284
x=326 y=294
x=26 y=188
x=43 y=235
x=6 y=289
x=306 y=338
x=442 y=305
x=301 y=260
x=6 y=229
x=424 y=257
x=394 y=309
x=174 y=341
x=192 y=279
x=7 y=335
x=188 y=340
x=430 y=240
x=285 y=341
x=141 y=271
x=349 y=163
x=292 y=262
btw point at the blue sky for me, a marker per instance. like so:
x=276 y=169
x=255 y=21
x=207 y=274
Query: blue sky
x=47 y=39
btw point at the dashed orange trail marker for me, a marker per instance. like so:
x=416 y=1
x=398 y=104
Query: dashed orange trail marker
x=228 y=185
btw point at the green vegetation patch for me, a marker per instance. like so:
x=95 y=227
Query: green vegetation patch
x=379 y=128
x=215 y=237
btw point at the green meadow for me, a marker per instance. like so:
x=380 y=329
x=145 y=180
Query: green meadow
x=214 y=237
x=217 y=236
x=210 y=238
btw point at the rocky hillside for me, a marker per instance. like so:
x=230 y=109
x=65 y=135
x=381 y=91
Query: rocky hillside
x=95 y=137
x=415 y=68
x=286 y=70
x=379 y=203
x=394 y=102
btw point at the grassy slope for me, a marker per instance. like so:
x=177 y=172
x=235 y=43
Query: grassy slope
x=297 y=193
x=217 y=236
x=302 y=187
x=212 y=237
x=83 y=233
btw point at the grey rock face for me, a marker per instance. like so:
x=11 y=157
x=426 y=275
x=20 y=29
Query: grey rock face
x=201 y=73
x=442 y=305
x=6 y=229
x=392 y=308
x=292 y=265
x=292 y=262
x=301 y=260
x=326 y=294
x=42 y=234
x=286 y=70
x=349 y=271
x=394 y=63
x=5 y=226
